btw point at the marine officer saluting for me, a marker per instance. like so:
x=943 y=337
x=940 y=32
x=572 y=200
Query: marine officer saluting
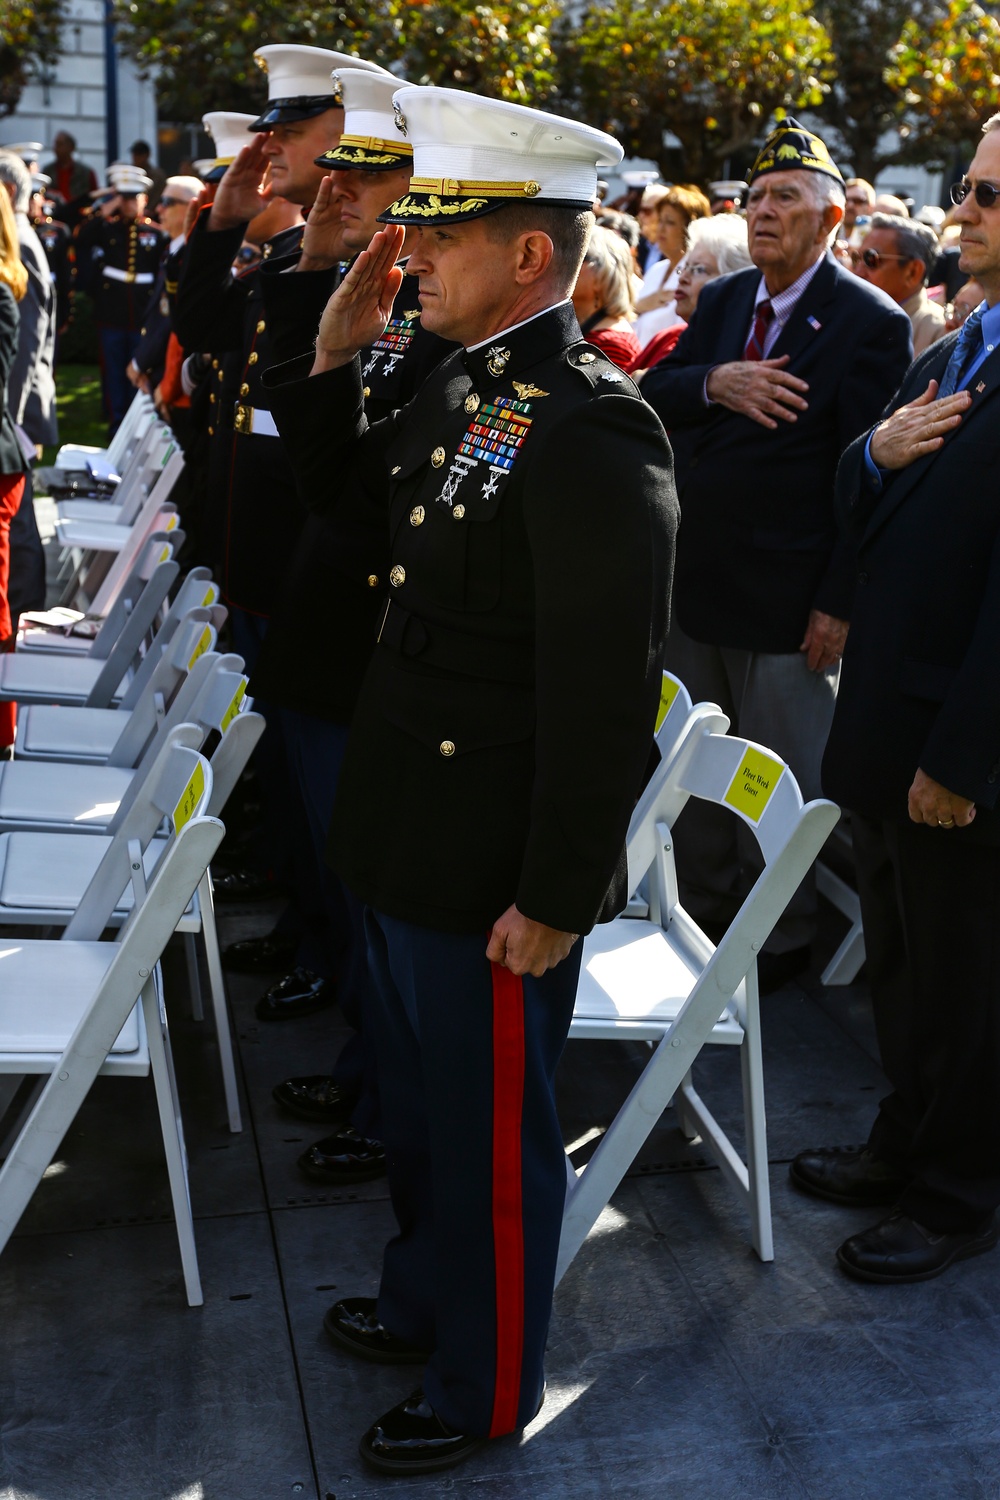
x=531 y=509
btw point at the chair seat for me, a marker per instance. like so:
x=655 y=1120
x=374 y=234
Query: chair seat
x=45 y=989
x=634 y=980
x=34 y=794
x=105 y=512
x=43 y=873
x=92 y=536
x=53 y=642
x=36 y=678
x=49 y=732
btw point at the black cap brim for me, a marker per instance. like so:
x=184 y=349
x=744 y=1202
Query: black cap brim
x=288 y=111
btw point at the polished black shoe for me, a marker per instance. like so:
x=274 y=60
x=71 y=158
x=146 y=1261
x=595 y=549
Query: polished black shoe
x=260 y=955
x=315 y=1097
x=774 y=970
x=901 y=1250
x=343 y=1158
x=354 y=1325
x=300 y=993
x=412 y=1439
x=244 y=885
x=850 y=1175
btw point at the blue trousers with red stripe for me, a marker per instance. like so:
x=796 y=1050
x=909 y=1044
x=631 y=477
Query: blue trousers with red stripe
x=467 y=1055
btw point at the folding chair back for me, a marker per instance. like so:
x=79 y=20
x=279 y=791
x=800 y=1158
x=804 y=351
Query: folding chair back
x=108 y=463
x=196 y=592
x=132 y=556
x=163 y=702
x=153 y=456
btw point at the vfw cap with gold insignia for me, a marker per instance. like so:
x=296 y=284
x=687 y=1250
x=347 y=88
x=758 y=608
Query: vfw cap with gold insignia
x=229 y=136
x=472 y=155
x=372 y=141
x=128 y=180
x=791 y=147
x=298 y=81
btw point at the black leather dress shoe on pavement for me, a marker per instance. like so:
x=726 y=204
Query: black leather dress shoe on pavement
x=244 y=885
x=260 y=955
x=901 y=1250
x=777 y=969
x=300 y=993
x=354 y=1325
x=412 y=1439
x=343 y=1158
x=850 y=1175
x=316 y=1098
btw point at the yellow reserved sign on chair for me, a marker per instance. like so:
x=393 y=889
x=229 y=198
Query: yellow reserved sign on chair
x=751 y=788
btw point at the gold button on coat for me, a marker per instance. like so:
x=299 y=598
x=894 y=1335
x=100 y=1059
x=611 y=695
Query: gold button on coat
x=367 y=392
x=244 y=389
x=261 y=326
x=417 y=515
x=472 y=402
x=447 y=747
x=221 y=376
x=437 y=457
x=458 y=512
x=397 y=577
x=373 y=580
x=254 y=357
x=587 y=359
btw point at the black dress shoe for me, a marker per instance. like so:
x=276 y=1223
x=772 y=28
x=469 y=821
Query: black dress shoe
x=776 y=969
x=900 y=1250
x=412 y=1439
x=300 y=993
x=315 y=1097
x=343 y=1158
x=260 y=955
x=244 y=885
x=851 y=1175
x=354 y=1325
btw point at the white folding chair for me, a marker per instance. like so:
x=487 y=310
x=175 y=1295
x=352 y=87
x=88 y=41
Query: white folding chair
x=661 y=979
x=111 y=536
x=76 y=1007
x=846 y=963
x=144 y=469
x=106 y=464
x=43 y=877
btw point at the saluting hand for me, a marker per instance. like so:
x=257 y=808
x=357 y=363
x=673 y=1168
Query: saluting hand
x=918 y=428
x=527 y=947
x=240 y=195
x=323 y=240
x=760 y=389
x=359 y=309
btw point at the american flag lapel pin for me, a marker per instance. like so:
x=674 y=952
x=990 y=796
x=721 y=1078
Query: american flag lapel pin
x=981 y=387
x=814 y=323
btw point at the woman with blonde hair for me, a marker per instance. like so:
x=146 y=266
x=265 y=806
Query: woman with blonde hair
x=13 y=285
x=678 y=210
x=602 y=296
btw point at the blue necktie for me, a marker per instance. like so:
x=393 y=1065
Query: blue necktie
x=964 y=352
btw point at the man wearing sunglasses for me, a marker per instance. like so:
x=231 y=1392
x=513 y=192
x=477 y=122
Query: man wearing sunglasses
x=899 y=256
x=914 y=752
x=145 y=369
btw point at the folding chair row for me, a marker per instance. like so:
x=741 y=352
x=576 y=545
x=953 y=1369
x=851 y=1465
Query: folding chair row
x=108 y=463
x=73 y=633
x=658 y=977
x=144 y=468
x=76 y=1007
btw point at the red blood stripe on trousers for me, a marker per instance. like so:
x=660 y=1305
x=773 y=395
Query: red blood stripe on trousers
x=508 y=1223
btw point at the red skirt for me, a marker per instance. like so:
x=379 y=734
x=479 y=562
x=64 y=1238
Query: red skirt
x=11 y=490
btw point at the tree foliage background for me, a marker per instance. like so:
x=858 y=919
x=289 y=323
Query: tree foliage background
x=30 y=33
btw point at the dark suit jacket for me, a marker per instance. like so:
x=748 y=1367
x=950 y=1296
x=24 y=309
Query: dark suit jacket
x=921 y=679
x=31 y=389
x=758 y=546
x=520 y=598
x=11 y=457
x=157 y=320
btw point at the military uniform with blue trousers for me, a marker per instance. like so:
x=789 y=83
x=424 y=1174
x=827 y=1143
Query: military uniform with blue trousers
x=531 y=517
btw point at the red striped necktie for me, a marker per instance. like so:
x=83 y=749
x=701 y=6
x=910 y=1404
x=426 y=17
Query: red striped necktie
x=761 y=323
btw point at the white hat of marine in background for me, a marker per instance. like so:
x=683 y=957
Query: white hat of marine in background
x=128 y=179
x=372 y=141
x=28 y=151
x=229 y=135
x=39 y=182
x=182 y=188
x=472 y=155
x=298 y=81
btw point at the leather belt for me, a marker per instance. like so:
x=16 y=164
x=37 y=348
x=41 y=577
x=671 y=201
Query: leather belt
x=454 y=650
x=140 y=278
x=253 y=419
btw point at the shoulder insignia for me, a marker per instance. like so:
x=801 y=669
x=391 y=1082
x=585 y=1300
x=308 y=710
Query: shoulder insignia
x=615 y=376
x=524 y=391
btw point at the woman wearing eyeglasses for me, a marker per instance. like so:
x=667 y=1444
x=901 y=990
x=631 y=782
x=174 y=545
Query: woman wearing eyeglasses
x=13 y=285
x=716 y=246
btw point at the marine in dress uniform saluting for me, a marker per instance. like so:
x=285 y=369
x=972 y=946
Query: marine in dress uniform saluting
x=57 y=242
x=531 y=512
x=117 y=261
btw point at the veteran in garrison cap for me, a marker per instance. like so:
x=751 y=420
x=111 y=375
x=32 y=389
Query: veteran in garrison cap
x=529 y=506
x=780 y=369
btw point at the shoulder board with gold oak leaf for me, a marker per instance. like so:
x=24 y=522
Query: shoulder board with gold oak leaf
x=524 y=391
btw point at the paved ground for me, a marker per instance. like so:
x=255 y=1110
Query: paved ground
x=678 y=1365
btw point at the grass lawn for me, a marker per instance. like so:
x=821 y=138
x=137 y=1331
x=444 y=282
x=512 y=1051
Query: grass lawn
x=78 y=405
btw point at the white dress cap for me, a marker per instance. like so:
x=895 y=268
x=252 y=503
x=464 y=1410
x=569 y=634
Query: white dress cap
x=372 y=141
x=28 y=151
x=182 y=188
x=229 y=132
x=298 y=81
x=471 y=155
x=125 y=178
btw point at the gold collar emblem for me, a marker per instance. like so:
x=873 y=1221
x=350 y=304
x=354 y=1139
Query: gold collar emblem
x=496 y=360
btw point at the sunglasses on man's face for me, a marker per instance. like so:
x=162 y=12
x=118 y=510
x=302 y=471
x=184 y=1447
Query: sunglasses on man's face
x=874 y=258
x=984 y=193
x=169 y=202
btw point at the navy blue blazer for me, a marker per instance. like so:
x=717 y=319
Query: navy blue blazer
x=920 y=686
x=759 y=546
